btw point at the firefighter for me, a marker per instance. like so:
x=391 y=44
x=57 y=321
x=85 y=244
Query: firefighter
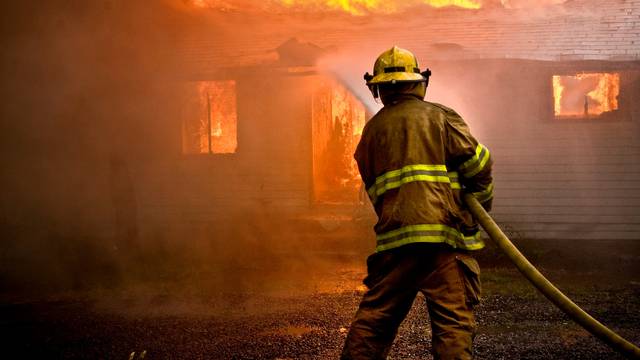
x=415 y=158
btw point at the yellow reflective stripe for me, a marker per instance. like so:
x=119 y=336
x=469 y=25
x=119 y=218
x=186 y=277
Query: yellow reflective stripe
x=396 y=184
x=428 y=233
x=474 y=165
x=410 y=173
x=473 y=159
x=409 y=168
x=410 y=240
x=453 y=178
x=472 y=239
x=484 y=195
x=421 y=239
x=413 y=228
x=483 y=162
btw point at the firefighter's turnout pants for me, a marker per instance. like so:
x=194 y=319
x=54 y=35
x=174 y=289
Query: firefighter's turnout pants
x=449 y=280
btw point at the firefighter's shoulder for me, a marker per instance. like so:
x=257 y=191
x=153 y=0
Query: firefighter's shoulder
x=379 y=118
x=447 y=110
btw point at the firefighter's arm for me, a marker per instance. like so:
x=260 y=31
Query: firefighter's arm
x=362 y=158
x=470 y=159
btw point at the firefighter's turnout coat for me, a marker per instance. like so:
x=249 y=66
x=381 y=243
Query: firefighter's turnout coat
x=415 y=158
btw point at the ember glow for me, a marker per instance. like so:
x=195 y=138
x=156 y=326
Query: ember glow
x=354 y=7
x=361 y=7
x=210 y=119
x=338 y=120
x=584 y=95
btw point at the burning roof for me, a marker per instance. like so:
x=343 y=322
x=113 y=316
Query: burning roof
x=353 y=7
x=364 y=7
x=241 y=33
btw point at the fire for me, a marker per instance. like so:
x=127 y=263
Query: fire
x=337 y=121
x=210 y=122
x=606 y=92
x=354 y=7
x=558 y=89
x=585 y=95
x=362 y=7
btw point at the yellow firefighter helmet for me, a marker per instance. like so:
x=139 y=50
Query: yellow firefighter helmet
x=394 y=66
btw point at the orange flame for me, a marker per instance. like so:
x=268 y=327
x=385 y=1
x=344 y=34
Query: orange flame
x=210 y=123
x=337 y=122
x=585 y=95
x=558 y=89
x=222 y=115
x=362 y=7
x=354 y=7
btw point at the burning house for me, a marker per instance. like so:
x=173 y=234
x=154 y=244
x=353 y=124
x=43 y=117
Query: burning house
x=552 y=89
x=178 y=175
x=243 y=113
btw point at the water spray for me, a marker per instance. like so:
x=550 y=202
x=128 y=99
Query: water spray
x=345 y=75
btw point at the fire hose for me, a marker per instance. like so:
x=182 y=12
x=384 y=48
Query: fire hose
x=606 y=335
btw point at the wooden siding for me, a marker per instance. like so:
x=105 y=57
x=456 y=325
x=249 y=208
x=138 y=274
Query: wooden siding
x=569 y=179
x=271 y=170
x=555 y=179
x=576 y=30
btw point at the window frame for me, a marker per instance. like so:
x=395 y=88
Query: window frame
x=619 y=115
x=183 y=120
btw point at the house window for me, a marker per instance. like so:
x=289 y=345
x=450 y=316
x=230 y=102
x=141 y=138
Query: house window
x=587 y=95
x=210 y=118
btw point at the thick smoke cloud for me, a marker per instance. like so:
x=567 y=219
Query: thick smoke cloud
x=92 y=90
x=81 y=81
x=519 y=4
x=91 y=93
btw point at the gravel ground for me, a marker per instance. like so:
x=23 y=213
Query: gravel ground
x=284 y=323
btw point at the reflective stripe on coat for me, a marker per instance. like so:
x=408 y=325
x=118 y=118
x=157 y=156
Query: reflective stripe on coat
x=415 y=158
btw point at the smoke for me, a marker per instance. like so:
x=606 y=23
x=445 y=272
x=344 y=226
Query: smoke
x=348 y=67
x=349 y=70
x=80 y=81
x=96 y=192
x=520 y=4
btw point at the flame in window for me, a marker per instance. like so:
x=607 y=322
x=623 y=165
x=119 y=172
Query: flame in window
x=210 y=120
x=585 y=95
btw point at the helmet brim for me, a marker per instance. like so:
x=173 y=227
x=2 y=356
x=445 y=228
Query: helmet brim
x=396 y=77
